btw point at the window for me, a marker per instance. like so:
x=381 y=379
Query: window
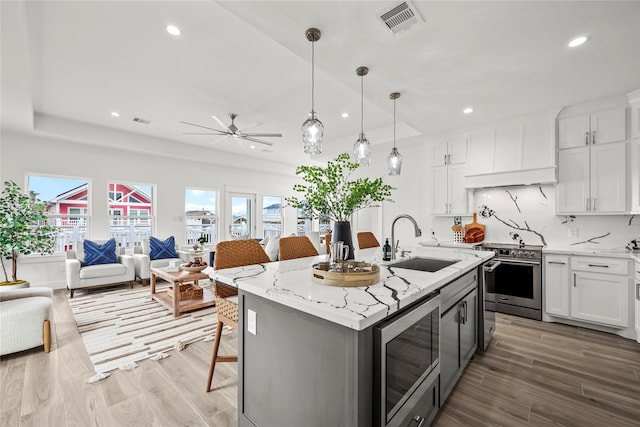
x=68 y=207
x=304 y=223
x=201 y=217
x=127 y=222
x=271 y=216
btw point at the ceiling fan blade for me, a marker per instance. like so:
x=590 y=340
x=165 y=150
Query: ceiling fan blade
x=205 y=127
x=219 y=121
x=251 y=126
x=264 y=135
x=219 y=139
x=204 y=133
x=259 y=141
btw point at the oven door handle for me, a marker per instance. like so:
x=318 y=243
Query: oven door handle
x=491 y=267
x=519 y=262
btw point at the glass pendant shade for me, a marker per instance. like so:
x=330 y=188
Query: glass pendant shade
x=362 y=147
x=312 y=131
x=312 y=128
x=362 y=150
x=394 y=161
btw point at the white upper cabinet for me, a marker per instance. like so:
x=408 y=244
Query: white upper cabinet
x=634 y=101
x=481 y=152
x=592 y=158
x=513 y=152
x=452 y=152
x=592 y=179
x=449 y=196
x=599 y=127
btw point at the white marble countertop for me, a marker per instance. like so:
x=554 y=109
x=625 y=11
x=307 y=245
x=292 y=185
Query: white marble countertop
x=604 y=252
x=290 y=283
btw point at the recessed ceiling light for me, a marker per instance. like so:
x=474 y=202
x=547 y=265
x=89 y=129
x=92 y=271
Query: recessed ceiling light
x=115 y=114
x=173 y=30
x=468 y=110
x=345 y=115
x=252 y=146
x=578 y=41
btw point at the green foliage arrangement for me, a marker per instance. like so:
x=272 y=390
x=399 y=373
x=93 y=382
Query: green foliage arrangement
x=23 y=228
x=329 y=193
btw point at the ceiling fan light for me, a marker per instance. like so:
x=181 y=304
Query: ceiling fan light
x=312 y=133
x=394 y=162
x=362 y=150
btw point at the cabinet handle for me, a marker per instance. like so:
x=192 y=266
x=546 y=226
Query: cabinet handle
x=574 y=280
x=593 y=137
x=448 y=159
x=586 y=138
x=466 y=314
x=598 y=265
x=556 y=262
x=420 y=420
x=445 y=159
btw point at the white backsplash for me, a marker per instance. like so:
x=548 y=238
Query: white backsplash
x=528 y=213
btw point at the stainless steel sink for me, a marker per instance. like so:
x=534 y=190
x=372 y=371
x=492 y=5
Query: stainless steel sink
x=424 y=264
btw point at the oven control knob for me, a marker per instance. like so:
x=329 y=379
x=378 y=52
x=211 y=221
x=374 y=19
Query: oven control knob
x=512 y=253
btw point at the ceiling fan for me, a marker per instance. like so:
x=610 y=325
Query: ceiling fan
x=233 y=131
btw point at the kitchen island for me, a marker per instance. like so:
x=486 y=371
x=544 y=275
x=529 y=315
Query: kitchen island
x=306 y=349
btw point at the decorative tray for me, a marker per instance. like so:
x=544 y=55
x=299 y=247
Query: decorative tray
x=193 y=269
x=346 y=274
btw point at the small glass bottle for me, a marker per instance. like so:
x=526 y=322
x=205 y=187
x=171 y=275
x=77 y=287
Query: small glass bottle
x=386 y=251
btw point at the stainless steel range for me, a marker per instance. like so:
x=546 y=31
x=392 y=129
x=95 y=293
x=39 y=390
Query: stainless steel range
x=514 y=280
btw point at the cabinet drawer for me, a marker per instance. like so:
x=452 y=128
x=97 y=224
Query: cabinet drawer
x=600 y=265
x=454 y=291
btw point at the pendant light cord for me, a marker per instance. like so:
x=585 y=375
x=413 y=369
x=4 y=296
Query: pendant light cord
x=361 y=104
x=394 y=123
x=312 y=75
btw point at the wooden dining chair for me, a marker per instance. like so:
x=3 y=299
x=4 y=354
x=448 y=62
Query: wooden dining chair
x=233 y=253
x=296 y=247
x=367 y=239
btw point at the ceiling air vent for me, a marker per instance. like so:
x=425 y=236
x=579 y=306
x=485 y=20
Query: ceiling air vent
x=140 y=120
x=400 y=17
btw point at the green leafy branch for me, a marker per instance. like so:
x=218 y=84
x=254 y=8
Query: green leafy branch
x=328 y=192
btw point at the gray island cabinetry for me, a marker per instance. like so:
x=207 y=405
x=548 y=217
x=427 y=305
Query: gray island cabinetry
x=307 y=352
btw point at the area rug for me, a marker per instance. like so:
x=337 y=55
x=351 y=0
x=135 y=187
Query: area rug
x=123 y=326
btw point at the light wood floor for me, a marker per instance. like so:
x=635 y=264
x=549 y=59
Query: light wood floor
x=534 y=374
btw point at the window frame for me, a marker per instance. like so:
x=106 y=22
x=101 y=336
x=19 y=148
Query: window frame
x=140 y=227
x=189 y=235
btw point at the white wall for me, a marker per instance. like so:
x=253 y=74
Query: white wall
x=23 y=154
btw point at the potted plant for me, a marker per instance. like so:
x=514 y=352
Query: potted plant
x=23 y=229
x=329 y=192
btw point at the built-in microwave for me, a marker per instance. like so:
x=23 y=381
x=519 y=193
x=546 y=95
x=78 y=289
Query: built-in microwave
x=406 y=354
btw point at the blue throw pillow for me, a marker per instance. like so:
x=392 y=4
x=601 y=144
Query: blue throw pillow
x=161 y=250
x=95 y=253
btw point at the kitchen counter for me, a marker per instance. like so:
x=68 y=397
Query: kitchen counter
x=605 y=252
x=290 y=283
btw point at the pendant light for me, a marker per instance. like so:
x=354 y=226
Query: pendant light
x=312 y=128
x=362 y=147
x=395 y=159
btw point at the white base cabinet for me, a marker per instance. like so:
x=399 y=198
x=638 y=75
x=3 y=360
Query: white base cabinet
x=637 y=295
x=588 y=289
x=556 y=274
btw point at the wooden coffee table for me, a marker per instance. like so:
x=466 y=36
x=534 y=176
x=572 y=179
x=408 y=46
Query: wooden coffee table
x=176 y=279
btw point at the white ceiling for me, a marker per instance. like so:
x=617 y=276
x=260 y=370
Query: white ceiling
x=72 y=63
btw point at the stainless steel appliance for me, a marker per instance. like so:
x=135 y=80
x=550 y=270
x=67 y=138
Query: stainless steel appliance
x=486 y=306
x=514 y=280
x=406 y=361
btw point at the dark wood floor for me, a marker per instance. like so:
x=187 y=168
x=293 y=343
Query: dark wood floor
x=534 y=374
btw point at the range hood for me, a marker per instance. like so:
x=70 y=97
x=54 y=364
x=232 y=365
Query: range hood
x=523 y=177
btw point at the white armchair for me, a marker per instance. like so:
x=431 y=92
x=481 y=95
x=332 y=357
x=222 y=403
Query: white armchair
x=26 y=315
x=143 y=262
x=93 y=276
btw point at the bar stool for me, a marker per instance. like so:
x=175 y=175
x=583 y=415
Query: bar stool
x=233 y=253
x=296 y=247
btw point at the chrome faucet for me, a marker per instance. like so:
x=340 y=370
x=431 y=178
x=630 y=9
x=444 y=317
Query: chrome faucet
x=394 y=246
